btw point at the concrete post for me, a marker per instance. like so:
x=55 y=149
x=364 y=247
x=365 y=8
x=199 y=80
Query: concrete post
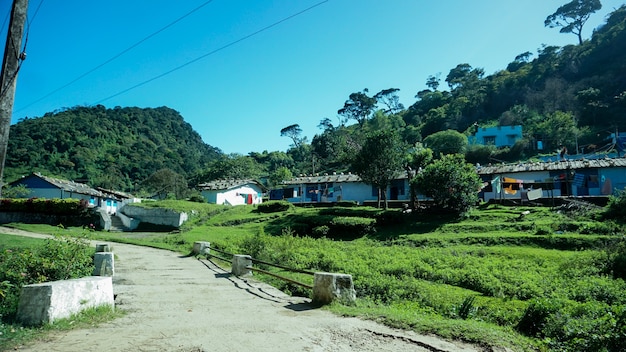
x=103 y=247
x=328 y=287
x=104 y=264
x=240 y=263
x=201 y=247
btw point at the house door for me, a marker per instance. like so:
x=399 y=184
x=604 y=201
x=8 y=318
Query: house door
x=394 y=193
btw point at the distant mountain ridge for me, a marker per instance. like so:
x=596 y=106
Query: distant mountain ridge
x=112 y=148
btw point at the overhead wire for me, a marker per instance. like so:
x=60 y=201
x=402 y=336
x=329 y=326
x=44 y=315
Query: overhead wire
x=116 y=55
x=211 y=52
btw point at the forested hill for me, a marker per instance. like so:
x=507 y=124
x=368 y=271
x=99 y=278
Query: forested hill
x=112 y=148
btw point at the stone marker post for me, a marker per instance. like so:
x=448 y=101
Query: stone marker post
x=240 y=264
x=103 y=260
x=328 y=287
x=201 y=247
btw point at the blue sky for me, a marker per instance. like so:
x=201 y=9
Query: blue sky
x=245 y=87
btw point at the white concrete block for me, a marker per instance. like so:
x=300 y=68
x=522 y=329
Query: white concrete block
x=240 y=264
x=50 y=301
x=201 y=247
x=328 y=287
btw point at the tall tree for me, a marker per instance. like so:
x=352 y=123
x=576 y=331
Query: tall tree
x=166 y=183
x=358 y=107
x=572 y=16
x=293 y=131
x=379 y=161
x=389 y=98
x=452 y=183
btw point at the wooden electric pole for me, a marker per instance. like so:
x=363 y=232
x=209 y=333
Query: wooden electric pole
x=8 y=77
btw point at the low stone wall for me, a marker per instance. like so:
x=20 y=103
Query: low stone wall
x=130 y=223
x=155 y=216
x=49 y=301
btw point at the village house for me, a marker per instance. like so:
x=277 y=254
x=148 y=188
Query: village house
x=499 y=136
x=232 y=192
x=40 y=186
x=566 y=178
x=338 y=187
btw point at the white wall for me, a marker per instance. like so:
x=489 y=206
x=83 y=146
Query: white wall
x=233 y=196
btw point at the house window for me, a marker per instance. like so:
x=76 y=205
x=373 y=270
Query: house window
x=489 y=140
x=329 y=190
x=374 y=191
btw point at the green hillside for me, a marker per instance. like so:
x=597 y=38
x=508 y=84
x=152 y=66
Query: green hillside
x=112 y=148
x=572 y=96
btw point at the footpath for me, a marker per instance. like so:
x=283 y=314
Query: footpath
x=184 y=304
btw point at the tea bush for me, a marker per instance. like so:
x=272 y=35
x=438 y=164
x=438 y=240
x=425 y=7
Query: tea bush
x=274 y=206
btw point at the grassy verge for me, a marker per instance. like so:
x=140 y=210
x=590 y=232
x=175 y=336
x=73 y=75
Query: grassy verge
x=14 y=336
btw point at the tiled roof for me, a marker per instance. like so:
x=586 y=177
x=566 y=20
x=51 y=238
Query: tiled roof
x=71 y=186
x=551 y=166
x=218 y=185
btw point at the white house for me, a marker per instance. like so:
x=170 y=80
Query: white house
x=577 y=178
x=232 y=192
x=336 y=188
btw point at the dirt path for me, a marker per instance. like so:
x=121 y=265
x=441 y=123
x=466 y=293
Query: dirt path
x=185 y=304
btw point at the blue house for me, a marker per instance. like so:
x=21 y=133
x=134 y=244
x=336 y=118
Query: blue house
x=500 y=136
x=338 y=187
x=40 y=186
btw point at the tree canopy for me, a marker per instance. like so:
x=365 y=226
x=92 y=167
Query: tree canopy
x=380 y=159
x=572 y=16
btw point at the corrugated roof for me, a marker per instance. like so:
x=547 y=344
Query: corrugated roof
x=334 y=178
x=71 y=186
x=323 y=179
x=218 y=185
x=551 y=166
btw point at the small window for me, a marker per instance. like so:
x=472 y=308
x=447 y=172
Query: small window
x=489 y=140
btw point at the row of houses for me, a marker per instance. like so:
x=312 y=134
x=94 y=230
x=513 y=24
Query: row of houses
x=523 y=181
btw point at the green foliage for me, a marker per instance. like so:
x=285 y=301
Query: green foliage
x=107 y=147
x=58 y=259
x=446 y=142
x=166 y=182
x=56 y=206
x=616 y=208
x=379 y=160
x=450 y=182
x=572 y=16
x=274 y=206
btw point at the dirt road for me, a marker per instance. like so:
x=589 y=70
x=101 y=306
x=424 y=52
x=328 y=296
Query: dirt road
x=181 y=304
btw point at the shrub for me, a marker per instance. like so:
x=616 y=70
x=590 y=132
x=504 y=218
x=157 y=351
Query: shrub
x=537 y=315
x=59 y=259
x=351 y=227
x=274 y=206
x=55 y=206
x=616 y=209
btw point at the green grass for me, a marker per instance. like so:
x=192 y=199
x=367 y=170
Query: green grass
x=17 y=242
x=472 y=279
x=13 y=336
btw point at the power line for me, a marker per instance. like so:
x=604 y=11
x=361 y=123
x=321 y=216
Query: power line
x=211 y=52
x=115 y=56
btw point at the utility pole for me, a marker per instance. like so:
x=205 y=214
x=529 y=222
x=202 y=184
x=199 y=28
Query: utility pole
x=8 y=77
